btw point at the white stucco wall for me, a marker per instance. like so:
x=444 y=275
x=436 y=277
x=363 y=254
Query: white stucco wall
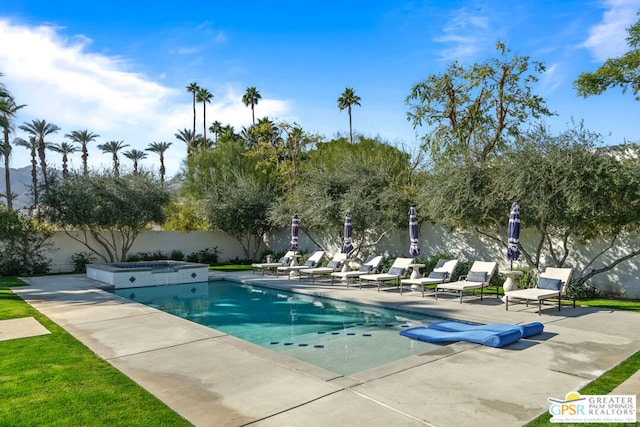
x=150 y=241
x=623 y=281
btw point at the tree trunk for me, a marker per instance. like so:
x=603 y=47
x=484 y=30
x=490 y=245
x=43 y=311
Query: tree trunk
x=7 y=174
x=85 y=156
x=43 y=161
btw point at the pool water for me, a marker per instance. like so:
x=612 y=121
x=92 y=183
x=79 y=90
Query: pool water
x=342 y=337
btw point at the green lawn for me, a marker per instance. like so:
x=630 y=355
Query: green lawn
x=613 y=304
x=602 y=385
x=54 y=380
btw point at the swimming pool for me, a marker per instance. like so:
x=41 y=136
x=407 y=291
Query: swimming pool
x=342 y=337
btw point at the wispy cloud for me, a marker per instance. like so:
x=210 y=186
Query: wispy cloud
x=59 y=77
x=63 y=82
x=190 y=50
x=465 y=35
x=551 y=79
x=608 y=38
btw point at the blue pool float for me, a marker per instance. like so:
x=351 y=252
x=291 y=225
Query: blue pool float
x=477 y=336
x=528 y=330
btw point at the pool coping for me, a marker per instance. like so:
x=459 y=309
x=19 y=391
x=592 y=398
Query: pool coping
x=209 y=377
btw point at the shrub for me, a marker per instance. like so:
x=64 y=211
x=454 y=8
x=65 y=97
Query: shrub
x=16 y=266
x=147 y=256
x=240 y=261
x=134 y=258
x=205 y=256
x=80 y=261
x=177 y=255
x=155 y=256
x=582 y=292
x=527 y=279
x=23 y=243
x=462 y=269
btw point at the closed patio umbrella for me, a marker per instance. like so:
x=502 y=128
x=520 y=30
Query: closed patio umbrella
x=295 y=223
x=414 y=250
x=347 y=246
x=513 y=234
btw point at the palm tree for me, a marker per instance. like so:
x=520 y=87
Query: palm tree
x=189 y=137
x=215 y=129
x=32 y=146
x=83 y=137
x=251 y=97
x=65 y=149
x=135 y=156
x=40 y=129
x=248 y=135
x=228 y=130
x=8 y=194
x=346 y=100
x=205 y=97
x=3 y=90
x=112 y=147
x=8 y=110
x=160 y=148
x=194 y=88
x=267 y=131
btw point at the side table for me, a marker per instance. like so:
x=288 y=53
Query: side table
x=510 y=283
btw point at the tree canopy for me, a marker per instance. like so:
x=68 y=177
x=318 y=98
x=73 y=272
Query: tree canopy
x=623 y=72
x=475 y=111
x=569 y=193
x=108 y=211
x=371 y=179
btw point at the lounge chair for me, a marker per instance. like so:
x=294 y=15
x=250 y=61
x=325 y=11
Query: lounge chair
x=552 y=283
x=397 y=271
x=443 y=272
x=477 y=278
x=312 y=262
x=286 y=260
x=371 y=265
x=333 y=266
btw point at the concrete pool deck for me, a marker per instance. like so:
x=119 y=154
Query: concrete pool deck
x=213 y=379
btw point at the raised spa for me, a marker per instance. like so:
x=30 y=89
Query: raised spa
x=148 y=273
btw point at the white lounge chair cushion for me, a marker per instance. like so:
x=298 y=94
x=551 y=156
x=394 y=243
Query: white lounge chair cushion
x=533 y=294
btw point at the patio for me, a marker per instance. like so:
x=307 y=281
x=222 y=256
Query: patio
x=212 y=378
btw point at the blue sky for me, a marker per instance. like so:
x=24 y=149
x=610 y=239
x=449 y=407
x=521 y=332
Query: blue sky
x=120 y=68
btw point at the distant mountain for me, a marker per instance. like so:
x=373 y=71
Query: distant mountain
x=20 y=185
